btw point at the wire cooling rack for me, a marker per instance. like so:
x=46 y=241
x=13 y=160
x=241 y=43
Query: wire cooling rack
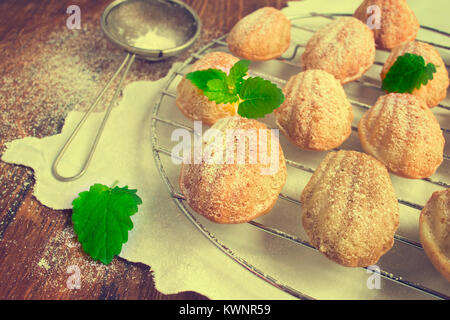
x=158 y=150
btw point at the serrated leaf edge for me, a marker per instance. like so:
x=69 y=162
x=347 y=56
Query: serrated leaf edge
x=75 y=205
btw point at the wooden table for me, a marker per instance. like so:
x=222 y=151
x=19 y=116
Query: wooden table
x=30 y=233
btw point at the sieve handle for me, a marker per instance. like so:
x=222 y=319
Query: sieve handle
x=127 y=62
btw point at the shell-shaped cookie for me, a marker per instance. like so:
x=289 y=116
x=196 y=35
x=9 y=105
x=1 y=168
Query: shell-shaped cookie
x=264 y=34
x=436 y=90
x=349 y=209
x=434 y=230
x=316 y=114
x=345 y=48
x=397 y=23
x=229 y=190
x=403 y=133
x=190 y=99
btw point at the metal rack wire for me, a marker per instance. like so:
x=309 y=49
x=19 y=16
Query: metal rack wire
x=180 y=200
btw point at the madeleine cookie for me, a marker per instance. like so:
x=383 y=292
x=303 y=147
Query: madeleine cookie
x=397 y=22
x=190 y=99
x=434 y=230
x=264 y=34
x=349 y=209
x=316 y=114
x=345 y=48
x=244 y=188
x=403 y=133
x=436 y=90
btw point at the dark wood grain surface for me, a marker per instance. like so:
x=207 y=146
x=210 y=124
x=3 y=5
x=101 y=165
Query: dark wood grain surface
x=36 y=243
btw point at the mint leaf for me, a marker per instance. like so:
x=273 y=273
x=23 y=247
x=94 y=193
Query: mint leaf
x=214 y=84
x=101 y=219
x=201 y=78
x=217 y=85
x=237 y=74
x=219 y=92
x=408 y=72
x=260 y=97
x=427 y=74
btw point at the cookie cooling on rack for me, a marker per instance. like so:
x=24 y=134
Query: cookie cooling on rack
x=345 y=48
x=435 y=90
x=402 y=132
x=264 y=34
x=434 y=230
x=237 y=191
x=190 y=99
x=316 y=114
x=349 y=209
x=397 y=22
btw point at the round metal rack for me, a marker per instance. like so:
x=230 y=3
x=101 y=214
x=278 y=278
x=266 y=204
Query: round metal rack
x=158 y=150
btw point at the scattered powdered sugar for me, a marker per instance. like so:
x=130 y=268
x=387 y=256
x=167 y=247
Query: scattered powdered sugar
x=61 y=262
x=44 y=264
x=53 y=73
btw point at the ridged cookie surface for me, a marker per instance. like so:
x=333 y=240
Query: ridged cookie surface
x=436 y=90
x=349 y=209
x=398 y=23
x=345 y=48
x=434 y=229
x=403 y=133
x=316 y=114
x=190 y=99
x=264 y=34
x=233 y=191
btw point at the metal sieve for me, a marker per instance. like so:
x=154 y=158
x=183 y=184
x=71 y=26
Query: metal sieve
x=148 y=29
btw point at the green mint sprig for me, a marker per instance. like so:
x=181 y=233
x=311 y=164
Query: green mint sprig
x=101 y=219
x=256 y=96
x=408 y=72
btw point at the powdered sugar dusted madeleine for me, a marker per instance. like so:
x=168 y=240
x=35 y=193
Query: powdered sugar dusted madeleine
x=345 y=48
x=434 y=230
x=190 y=99
x=436 y=90
x=349 y=209
x=316 y=114
x=262 y=35
x=403 y=133
x=398 y=23
x=235 y=191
